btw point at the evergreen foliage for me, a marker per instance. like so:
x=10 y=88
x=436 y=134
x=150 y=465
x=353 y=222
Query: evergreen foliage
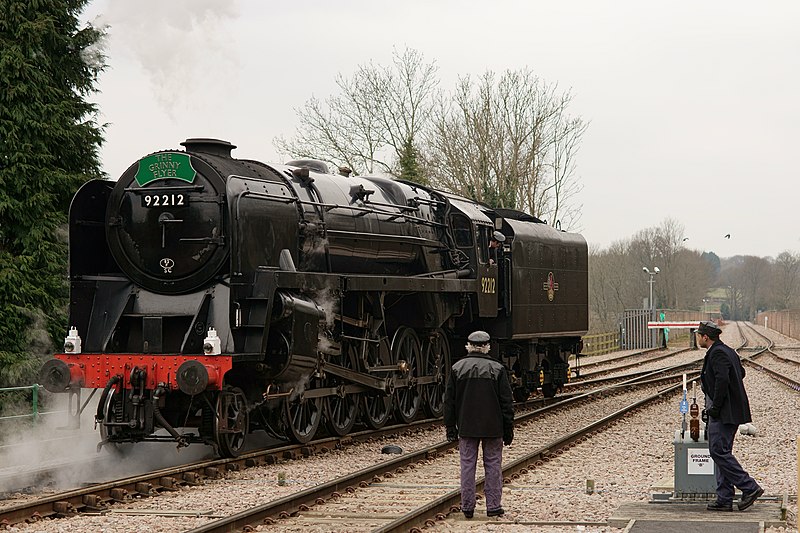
x=49 y=142
x=714 y=261
x=409 y=164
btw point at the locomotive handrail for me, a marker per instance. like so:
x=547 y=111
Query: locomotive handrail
x=365 y=210
x=166 y=189
x=375 y=237
x=428 y=201
x=330 y=207
x=397 y=206
x=276 y=197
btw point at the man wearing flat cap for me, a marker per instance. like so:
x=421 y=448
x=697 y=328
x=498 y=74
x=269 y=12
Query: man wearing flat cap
x=727 y=406
x=478 y=410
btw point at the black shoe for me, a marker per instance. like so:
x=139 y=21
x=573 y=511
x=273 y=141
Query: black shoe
x=750 y=498
x=496 y=512
x=468 y=514
x=717 y=506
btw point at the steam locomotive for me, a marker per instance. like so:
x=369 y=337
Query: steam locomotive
x=212 y=296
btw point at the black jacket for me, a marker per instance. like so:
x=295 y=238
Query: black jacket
x=478 y=398
x=722 y=379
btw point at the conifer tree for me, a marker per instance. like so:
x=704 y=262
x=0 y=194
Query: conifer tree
x=49 y=141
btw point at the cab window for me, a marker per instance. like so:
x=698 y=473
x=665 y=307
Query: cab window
x=483 y=238
x=462 y=231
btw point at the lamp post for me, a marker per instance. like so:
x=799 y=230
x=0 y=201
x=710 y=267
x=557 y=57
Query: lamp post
x=652 y=274
x=705 y=312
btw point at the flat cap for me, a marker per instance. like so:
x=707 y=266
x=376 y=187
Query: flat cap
x=478 y=337
x=499 y=237
x=707 y=327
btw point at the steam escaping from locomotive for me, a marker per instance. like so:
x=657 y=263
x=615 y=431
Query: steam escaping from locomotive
x=212 y=297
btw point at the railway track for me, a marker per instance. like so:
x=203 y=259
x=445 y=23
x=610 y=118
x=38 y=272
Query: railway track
x=583 y=384
x=340 y=490
x=35 y=479
x=421 y=489
x=595 y=361
x=99 y=497
x=758 y=354
x=633 y=360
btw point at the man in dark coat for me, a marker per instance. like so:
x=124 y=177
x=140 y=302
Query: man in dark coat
x=478 y=410
x=727 y=406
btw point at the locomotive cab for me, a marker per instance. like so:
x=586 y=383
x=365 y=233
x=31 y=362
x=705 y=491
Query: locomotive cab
x=472 y=230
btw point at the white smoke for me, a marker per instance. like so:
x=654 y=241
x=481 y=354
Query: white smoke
x=298 y=387
x=329 y=303
x=27 y=447
x=184 y=46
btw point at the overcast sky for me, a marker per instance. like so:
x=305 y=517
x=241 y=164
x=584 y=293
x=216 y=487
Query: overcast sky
x=693 y=107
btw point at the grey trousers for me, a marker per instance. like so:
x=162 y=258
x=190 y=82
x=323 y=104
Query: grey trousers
x=493 y=471
x=730 y=473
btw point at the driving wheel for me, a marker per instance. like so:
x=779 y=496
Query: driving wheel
x=406 y=347
x=303 y=416
x=231 y=422
x=341 y=409
x=436 y=363
x=377 y=404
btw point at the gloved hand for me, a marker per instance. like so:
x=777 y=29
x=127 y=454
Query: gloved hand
x=713 y=411
x=452 y=434
x=508 y=436
x=704 y=416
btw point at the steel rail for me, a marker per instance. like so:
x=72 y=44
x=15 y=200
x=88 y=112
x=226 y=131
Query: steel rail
x=595 y=364
x=592 y=375
x=441 y=506
x=774 y=374
x=99 y=497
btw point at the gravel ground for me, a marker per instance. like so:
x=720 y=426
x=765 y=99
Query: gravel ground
x=627 y=460
x=602 y=358
x=624 y=461
x=239 y=490
x=780 y=339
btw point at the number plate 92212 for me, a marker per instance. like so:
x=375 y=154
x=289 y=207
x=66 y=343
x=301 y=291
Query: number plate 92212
x=165 y=200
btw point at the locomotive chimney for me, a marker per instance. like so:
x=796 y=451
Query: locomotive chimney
x=216 y=147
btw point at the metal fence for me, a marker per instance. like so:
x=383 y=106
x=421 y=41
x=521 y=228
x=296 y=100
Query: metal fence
x=34 y=414
x=634 y=334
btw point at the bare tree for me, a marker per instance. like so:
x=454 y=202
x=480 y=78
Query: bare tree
x=662 y=246
x=746 y=277
x=374 y=123
x=690 y=275
x=611 y=290
x=508 y=142
x=785 y=280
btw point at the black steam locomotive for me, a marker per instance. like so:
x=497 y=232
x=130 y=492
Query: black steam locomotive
x=213 y=296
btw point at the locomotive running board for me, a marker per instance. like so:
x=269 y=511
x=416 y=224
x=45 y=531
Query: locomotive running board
x=372 y=283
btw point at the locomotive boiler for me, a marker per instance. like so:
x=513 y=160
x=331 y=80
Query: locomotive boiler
x=212 y=296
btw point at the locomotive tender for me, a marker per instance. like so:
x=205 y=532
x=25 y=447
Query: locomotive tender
x=213 y=296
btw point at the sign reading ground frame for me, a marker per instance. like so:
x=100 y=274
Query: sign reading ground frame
x=698 y=461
